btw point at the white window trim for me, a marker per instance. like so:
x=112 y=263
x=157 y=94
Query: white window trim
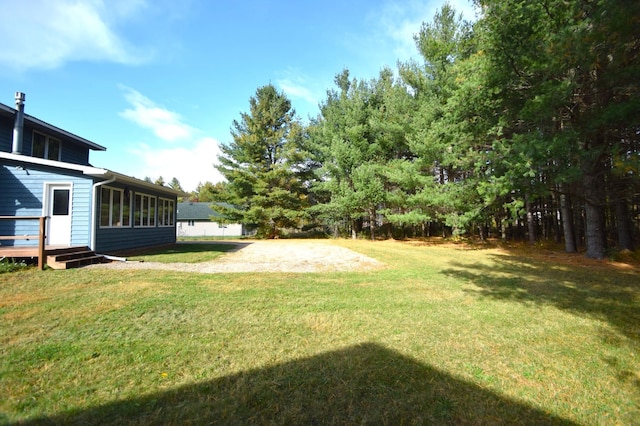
x=122 y=215
x=139 y=208
x=46 y=146
x=172 y=220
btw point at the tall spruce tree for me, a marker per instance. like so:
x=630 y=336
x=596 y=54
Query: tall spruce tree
x=263 y=166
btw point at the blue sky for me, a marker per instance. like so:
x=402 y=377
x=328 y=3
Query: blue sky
x=159 y=82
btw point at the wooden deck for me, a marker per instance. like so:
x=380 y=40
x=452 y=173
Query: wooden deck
x=31 y=251
x=38 y=251
x=9 y=251
x=57 y=257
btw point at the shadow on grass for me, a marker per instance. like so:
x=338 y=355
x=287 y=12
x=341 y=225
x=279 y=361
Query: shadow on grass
x=363 y=384
x=193 y=247
x=216 y=246
x=602 y=293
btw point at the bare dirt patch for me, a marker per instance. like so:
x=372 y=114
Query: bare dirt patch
x=269 y=256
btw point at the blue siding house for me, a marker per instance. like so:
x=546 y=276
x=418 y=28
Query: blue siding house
x=45 y=171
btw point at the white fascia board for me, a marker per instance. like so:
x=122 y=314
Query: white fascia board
x=25 y=159
x=96 y=172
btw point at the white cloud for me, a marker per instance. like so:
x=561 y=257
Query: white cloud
x=401 y=20
x=190 y=165
x=45 y=34
x=297 y=90
x=305 y=92
x=182 y=151
x=165 y=124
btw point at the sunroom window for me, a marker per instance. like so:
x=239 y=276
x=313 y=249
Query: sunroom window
x=165 y=212
x=145 y=213
x=115 y=208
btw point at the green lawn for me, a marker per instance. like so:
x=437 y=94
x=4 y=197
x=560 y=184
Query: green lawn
x=184 y=252
x=444 y=335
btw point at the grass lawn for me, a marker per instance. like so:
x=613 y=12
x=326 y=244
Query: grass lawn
x=184 y=252
x=446 y=334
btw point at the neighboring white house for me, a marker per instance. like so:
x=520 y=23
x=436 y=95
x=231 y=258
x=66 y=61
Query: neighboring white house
x=199 y=220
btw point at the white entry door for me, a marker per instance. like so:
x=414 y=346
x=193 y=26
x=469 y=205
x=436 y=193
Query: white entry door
x=58 y=204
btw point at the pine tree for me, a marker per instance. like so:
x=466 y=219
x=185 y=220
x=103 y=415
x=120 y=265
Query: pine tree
x=263 y=167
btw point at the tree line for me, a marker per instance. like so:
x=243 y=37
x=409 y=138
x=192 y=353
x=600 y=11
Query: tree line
x=524 y=124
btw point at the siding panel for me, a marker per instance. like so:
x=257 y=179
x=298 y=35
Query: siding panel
x=75 y=154
x=23 y=195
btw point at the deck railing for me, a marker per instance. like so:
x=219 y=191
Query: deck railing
x=40 y=237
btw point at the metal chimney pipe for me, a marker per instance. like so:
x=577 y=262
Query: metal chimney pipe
x=18 y=127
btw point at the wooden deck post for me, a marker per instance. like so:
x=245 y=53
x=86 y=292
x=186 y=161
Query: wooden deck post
x=41 y=242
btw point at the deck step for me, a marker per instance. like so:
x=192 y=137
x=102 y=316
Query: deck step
x=74 y=258
x=73 y=255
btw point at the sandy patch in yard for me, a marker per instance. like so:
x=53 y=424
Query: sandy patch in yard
x=268 y=256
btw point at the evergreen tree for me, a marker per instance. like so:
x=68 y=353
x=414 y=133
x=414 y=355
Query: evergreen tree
x=263 y=166
x=175 y=184
x=207 y=192
x=562 y=78
x=442 y=136
x=353 y=147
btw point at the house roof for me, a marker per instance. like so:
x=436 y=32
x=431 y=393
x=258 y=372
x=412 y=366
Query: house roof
x=95 y=172
x=196 y=211
x=38 y=124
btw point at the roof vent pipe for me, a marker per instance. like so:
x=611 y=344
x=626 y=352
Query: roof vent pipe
x=18 y=127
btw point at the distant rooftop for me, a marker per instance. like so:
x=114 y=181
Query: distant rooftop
x=195 y=211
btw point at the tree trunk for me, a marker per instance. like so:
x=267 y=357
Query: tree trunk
x=372 y=224
x=566 y=214
x=531 y=226
x=356 y=226
x=595 y=235
x=624 y=226
x=481 y=232
x=503 y=228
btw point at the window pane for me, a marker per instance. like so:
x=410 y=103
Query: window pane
x=126 y=209
x=152 y=211
x=60 y=202
x=54 y=149
x=161 y=220
x=38 y=145
x=145 y=210
x=170 y=213
x=105 y=196
x=138 y=210
x=115 y=208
